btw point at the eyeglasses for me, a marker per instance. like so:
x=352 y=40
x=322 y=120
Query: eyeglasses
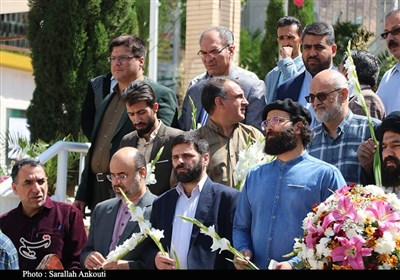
x=395 y=31
x=273 y=122
x=212 y=53
x=321 y=96
x=121 y=58
x=120 y=177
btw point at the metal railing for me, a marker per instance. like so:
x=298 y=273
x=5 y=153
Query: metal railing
x=60 y=149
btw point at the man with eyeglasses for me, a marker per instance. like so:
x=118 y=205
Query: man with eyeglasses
x=110 y=224
x=318 y=51
x=40 y=226
x=389 y=86
x=337 y=138
x=290 y=62
x=278 y=195
x=216 y=52
x=127 y=58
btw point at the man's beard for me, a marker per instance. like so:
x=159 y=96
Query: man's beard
x=147 y=129
x=191 y=174
x=315 y=69
x=281 y=142
x=391 y=174
x=330 y=114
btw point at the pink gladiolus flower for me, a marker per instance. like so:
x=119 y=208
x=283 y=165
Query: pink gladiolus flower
x=351 y=252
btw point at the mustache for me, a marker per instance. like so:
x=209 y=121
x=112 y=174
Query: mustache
x=393 y=44
x=392 y=159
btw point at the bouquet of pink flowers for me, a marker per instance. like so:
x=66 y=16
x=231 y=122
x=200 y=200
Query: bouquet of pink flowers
x=357 y=227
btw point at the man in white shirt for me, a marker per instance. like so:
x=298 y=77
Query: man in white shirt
x=389 y=86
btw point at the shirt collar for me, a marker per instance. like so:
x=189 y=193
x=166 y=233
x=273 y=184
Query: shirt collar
x=199 y=187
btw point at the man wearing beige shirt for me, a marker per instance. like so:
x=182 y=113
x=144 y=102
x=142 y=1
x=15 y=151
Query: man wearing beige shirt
x=127 y=59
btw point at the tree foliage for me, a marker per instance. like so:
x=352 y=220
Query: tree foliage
x=269 y=45
x=386 y=61
x=250 y=43
x=345 y=31
x=305 y=14
x=69 y=43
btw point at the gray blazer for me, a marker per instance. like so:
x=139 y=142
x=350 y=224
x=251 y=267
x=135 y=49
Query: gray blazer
x=163 y=170
x=102 y=228
x=254 y=91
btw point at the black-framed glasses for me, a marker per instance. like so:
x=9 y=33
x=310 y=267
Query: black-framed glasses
x=321 y=96
x=121 y=58
x=273 y=122
x=119 y=177
x=212 y=53
x=394 y=31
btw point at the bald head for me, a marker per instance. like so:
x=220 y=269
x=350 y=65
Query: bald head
x=128 y=172
x=331 y=78
x=330 y=97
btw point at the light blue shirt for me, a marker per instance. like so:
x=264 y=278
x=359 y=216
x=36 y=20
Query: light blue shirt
x=389 y=89
x=285 y=69
x=275 y=199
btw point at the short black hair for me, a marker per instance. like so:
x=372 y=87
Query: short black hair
x=134 y=43
x=320 y=29
x=139 y=91
x=192 y=137
x=367 y=66
x=289 y=20
x=25 y=161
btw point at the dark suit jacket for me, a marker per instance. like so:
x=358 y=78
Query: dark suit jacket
x=102 y=227
x=98 y=88
x=163 y=170
x=216 y=206
x=125 y=126
x=291 y=88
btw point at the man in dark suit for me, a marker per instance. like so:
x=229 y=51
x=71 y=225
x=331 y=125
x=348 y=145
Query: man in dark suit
x=98 y=88
x=110 y=223
x=196 y=196
x=151 y=134
x=127 y=58
x=318 y=51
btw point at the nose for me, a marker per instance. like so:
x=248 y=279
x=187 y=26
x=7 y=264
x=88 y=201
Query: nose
x=386 y=152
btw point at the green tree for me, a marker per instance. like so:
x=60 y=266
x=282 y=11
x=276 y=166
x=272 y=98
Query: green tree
x=345 y=31
x=69 y=43
x=249 y=52
x=269 y=45
x=305 y=14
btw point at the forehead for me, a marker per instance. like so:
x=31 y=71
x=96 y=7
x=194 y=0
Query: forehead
x=232 y=87
x=277 y=113
x=314 y=39
x=121 y=50
x=183 y=148
x=288 y=29
x=27 y=171
x=211 y=37
x=141 y=105
x=392 y=21
x=390 y=136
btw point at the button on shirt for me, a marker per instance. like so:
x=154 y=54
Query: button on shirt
x=123 y=217
x=275 y=199
x=182 y=230
x=389 y=89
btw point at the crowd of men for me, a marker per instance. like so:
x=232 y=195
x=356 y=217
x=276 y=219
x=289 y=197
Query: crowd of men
x=305 y=109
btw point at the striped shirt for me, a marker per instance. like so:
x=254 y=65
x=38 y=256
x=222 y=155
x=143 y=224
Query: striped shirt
x=8 y=253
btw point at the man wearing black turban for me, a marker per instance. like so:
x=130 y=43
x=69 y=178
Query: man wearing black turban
x=388 y=134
